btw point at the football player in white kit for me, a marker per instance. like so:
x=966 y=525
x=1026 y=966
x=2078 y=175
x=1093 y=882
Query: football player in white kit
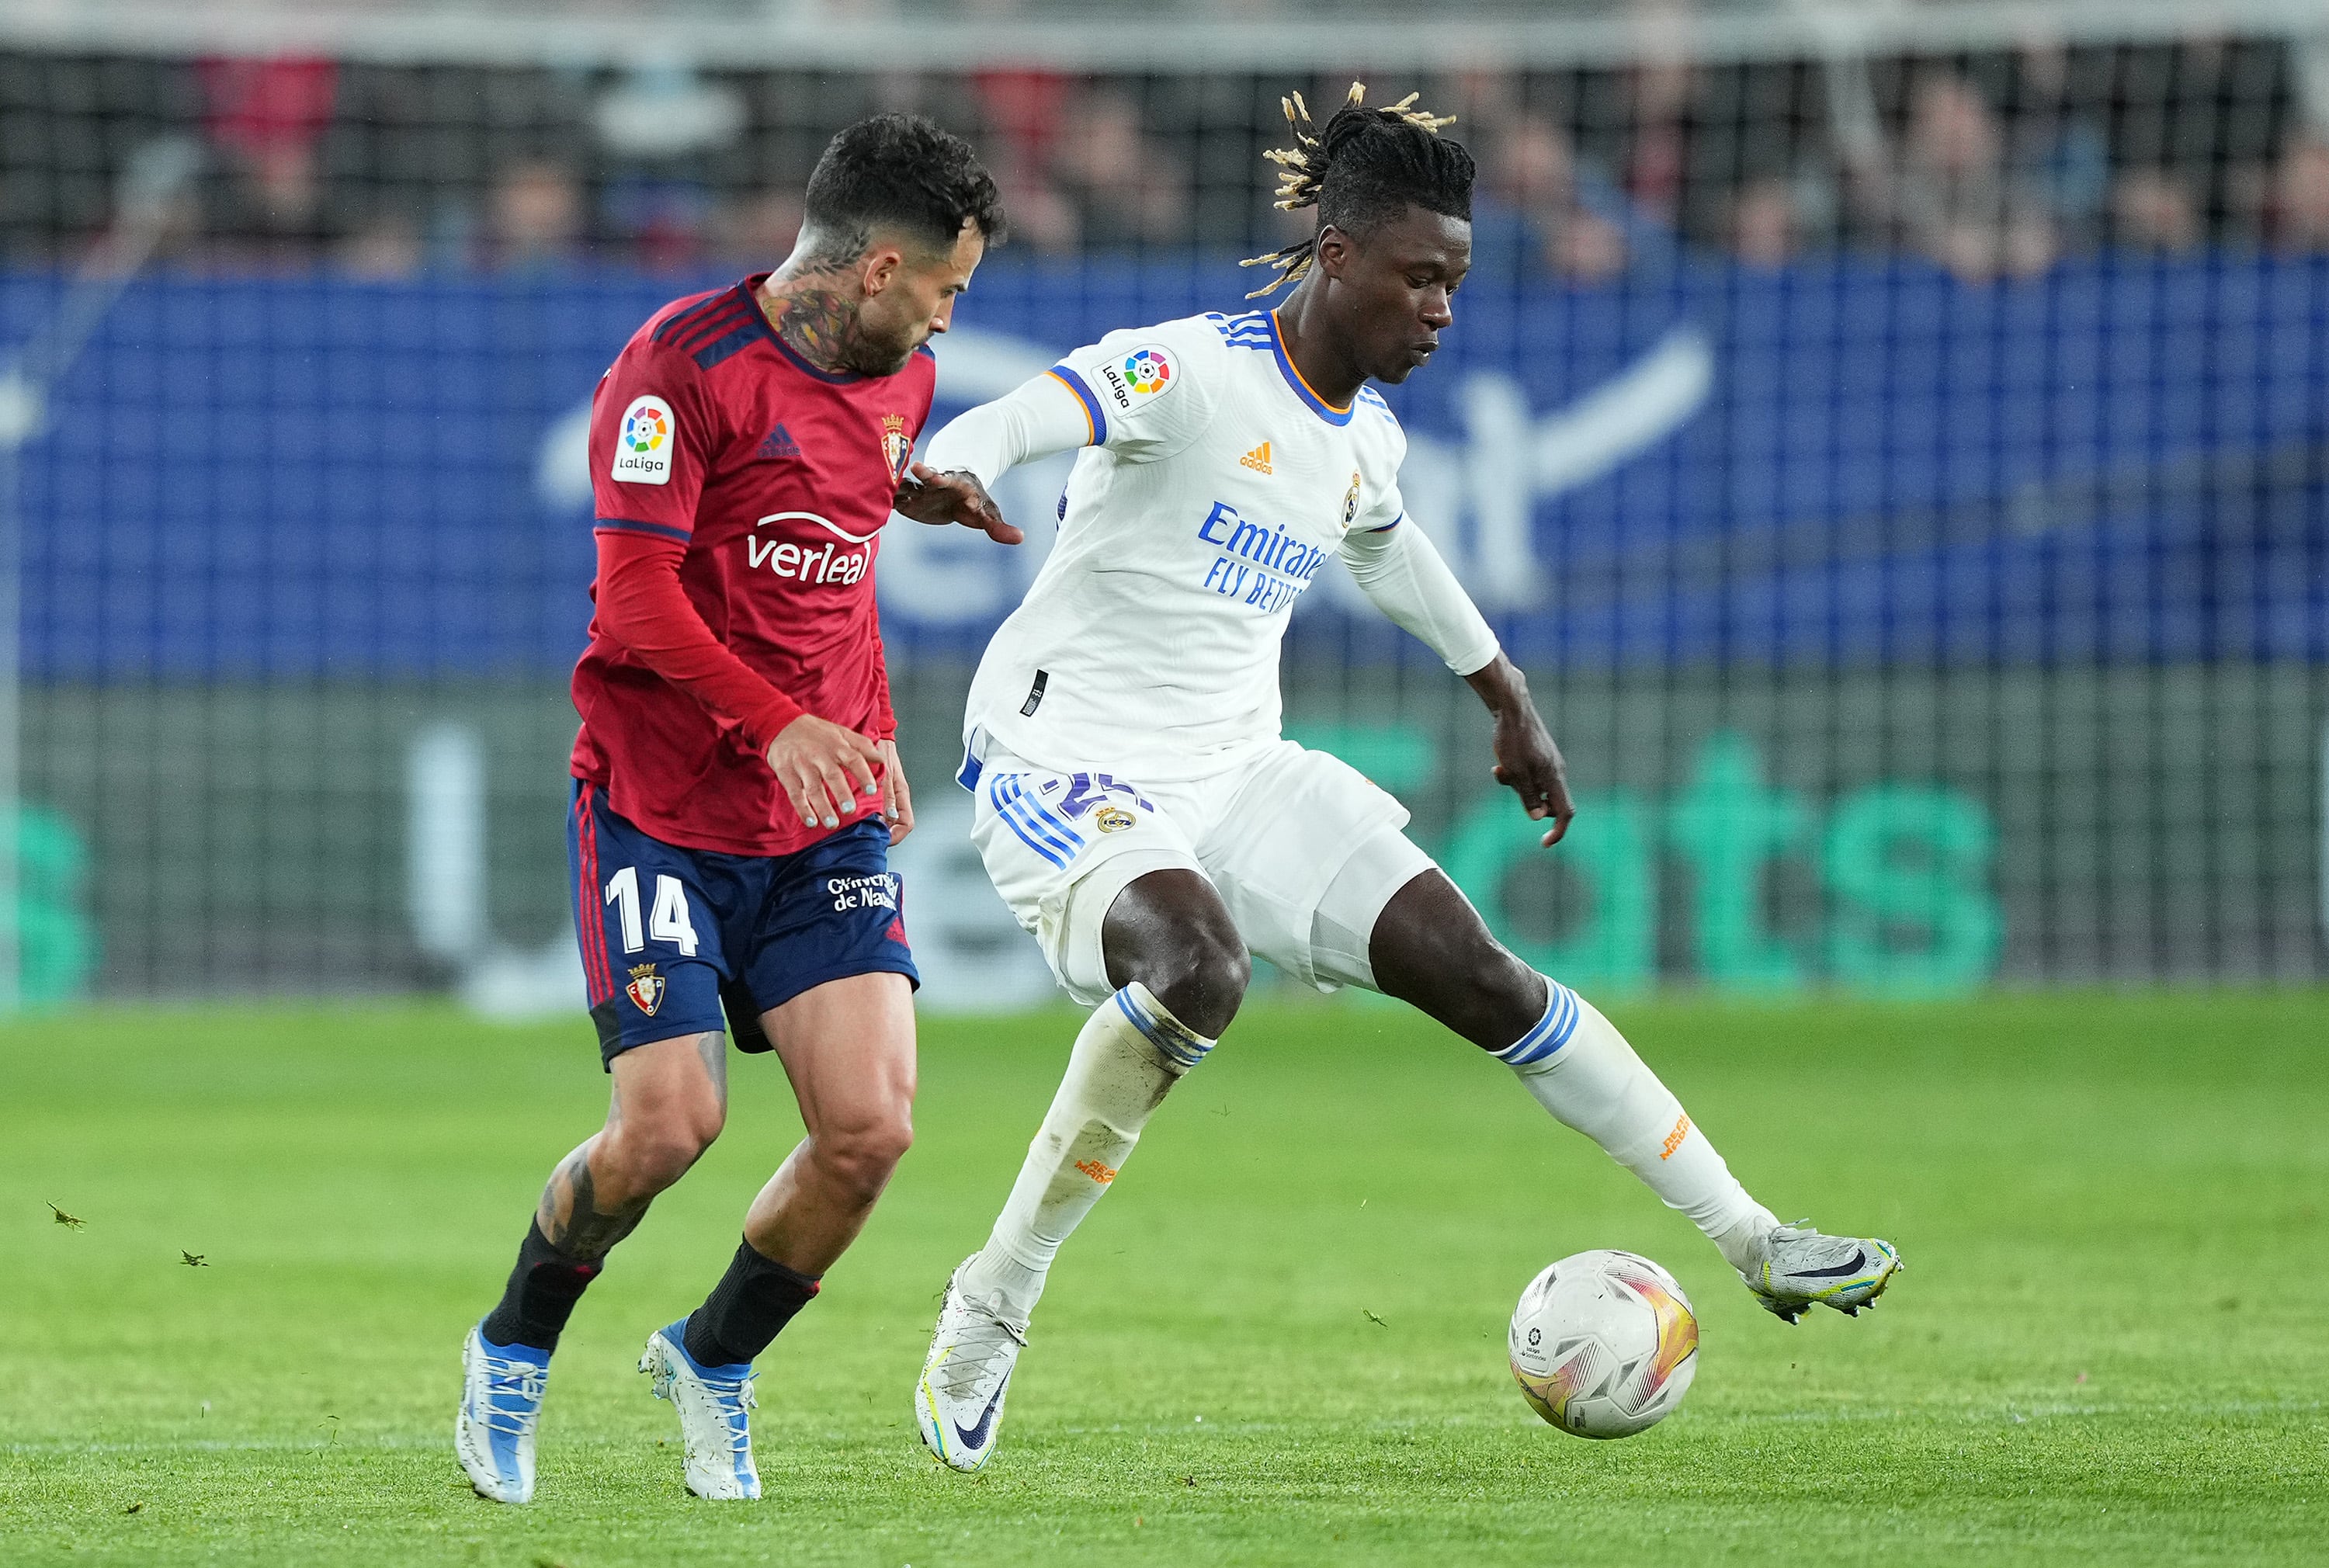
x=1136 y=805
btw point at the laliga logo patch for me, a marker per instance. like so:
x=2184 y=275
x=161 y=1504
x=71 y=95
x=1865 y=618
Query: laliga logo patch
x=1148 y=370
x=644 y=442
x=1145 y=372
x=1350 y=503
x=645 y=990
x=895 y=448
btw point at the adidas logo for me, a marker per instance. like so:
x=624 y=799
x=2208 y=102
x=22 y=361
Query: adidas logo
x=1258 y=459
x=780 y=442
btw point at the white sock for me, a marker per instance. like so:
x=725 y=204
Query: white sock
x=1581 y=1068
x=1130 y=1053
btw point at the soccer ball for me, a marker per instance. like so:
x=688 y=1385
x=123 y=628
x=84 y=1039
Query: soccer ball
x=1604 y=1343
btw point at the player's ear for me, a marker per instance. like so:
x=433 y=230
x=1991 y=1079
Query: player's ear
x=1333 y=254
x=879 y=268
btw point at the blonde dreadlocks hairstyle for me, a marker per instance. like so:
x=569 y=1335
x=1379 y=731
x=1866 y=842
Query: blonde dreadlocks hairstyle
x=1367 y=166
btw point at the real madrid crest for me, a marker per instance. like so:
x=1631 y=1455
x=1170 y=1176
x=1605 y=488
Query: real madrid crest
x=895 y=448
x=645 y=990
x=1350 y=503
x=1113 y=819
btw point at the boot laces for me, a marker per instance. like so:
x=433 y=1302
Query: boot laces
x=508 y=1379
x=733 y=1397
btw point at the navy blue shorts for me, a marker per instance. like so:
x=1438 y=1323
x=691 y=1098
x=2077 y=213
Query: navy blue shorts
x=673 y=938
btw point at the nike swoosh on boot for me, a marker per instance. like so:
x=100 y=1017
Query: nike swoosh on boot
x=975 y=1434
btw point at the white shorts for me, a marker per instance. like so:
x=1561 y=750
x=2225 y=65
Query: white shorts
x=1302 y=850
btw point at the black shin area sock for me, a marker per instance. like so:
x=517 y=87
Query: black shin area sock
x=749 y=1306
x=541 y=1294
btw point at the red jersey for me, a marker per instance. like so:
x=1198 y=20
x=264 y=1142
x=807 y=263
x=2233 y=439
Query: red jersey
x=715 y=449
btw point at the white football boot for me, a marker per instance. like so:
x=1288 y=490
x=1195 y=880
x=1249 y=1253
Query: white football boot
x=958 y=1403
x=715 y=1425
x=1800 y=1268
x=501 y=1405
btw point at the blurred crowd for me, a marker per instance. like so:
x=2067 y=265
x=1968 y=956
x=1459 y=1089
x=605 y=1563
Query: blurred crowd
x=1988 y=165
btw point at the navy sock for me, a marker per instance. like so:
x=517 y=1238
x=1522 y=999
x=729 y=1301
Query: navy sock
x=749 y=1307
x=541 y=1294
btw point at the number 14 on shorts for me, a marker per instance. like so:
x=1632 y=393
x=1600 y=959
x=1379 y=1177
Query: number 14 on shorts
x=666 y=921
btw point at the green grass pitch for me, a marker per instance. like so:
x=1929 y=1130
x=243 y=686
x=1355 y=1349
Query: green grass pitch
x=1278 y=1341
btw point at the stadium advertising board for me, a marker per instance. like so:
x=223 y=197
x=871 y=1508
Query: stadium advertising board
x=1848 y=589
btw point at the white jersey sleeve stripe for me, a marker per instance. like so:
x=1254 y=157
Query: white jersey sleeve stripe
x=1095 y=419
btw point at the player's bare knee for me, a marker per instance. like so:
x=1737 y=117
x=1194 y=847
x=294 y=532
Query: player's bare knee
x=1507 y=996
x=1478 y=987
x=654 y=1163
x=1169 y=931
x=1432 y=950
x=1203 y=981
x=1475 y=962
x=654 y=1149
x=860 y=1155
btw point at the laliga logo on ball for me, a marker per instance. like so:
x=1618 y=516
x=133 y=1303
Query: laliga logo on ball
x=1604 y=1343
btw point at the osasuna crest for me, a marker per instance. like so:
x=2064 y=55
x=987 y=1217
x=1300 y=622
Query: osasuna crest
x=645 y=990
x=895 y=448
x=1350 y=503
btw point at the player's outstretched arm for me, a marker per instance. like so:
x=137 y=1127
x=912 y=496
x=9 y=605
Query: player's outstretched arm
x=1036 y=420
x=1397 y=568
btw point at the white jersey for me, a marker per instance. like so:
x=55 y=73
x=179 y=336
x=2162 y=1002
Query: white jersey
x=1215 y=486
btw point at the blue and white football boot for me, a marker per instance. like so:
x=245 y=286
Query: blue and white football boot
x=958 y=1403
x=715 y=1423
x=1800 y=1268
x=501 y=1405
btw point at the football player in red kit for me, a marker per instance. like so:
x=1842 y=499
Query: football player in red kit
x=736 y=779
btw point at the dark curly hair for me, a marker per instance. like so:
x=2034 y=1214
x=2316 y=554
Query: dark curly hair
x=899 y=171
x=1366 y=168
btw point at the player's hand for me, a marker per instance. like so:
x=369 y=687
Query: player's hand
x=826 y=771
x=897 y=799
x=1527 y=762
x=927 y=495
